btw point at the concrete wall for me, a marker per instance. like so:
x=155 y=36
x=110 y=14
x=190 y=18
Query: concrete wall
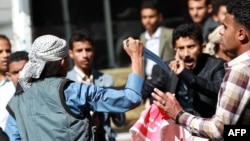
x=15 y=23
x=6 y=19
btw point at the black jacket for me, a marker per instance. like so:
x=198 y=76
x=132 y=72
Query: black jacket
x=205 y=80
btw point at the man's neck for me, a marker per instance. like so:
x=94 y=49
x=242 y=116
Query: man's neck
x=152 y=32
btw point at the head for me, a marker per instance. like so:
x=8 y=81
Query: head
x=235 y=34
x=188 y=44
x=213 y=47
x=82 y=50
x=16 y=62
x=219 y=10
x=5 y=51
x=199 y=10
x=151 y=15
x=47 y=58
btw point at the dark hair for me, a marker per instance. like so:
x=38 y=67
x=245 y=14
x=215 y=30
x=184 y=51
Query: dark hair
x=51 y=69
x=80 y=35
x=5 y=38
x=190 y=30
x=217 y=4
x=207 y=2
x=241 y=11
x=152 y=4
x=18 y=56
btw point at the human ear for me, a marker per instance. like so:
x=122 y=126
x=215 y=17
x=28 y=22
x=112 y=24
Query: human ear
x=70 y=52
x=242 y=34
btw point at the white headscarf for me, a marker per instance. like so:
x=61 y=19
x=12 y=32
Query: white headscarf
x=45 y=48
x=213 y=39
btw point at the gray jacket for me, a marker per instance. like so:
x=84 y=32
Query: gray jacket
x=166 y=48
x=33 y=121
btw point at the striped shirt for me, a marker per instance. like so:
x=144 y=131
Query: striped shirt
x=233 y=102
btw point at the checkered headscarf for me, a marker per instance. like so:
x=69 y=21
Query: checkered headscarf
x=45 y=48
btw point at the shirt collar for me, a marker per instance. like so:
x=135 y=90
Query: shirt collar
x=81 y=75
x=155 y=35
x=5 y=80
x=243 y=57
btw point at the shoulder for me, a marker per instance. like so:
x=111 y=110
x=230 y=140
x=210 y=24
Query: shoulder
x=8 y=88
x=71 y=73
x=142 y=36
x=103 y=79
x=214 y=61
x=167 y=29
x=213 y=58
x=157 y=67
x=99 y=74
x=166 y=33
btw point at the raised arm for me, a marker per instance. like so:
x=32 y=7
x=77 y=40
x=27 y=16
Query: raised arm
x=134 y=49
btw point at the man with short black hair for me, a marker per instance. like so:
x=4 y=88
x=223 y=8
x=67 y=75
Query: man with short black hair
x=16 y=62
x=197 y=86
x=156 y=37
x=233 y=98
x=82 y=51
x=200 y=13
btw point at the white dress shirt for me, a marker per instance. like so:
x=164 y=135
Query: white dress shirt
x=7 y=90
x=153 y=44
x=81 y=77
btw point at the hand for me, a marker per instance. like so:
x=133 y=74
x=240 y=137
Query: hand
x=177 y=65
x=167 y=102
x=134 y=49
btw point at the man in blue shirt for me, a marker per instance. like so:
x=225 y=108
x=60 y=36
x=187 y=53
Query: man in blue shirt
x=49 y=107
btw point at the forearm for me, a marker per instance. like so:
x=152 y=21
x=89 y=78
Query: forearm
x=134 y=49
x=137 y=66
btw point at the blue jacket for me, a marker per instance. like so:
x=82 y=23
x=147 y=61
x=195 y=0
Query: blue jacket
x=78 y=97
x=100 y=79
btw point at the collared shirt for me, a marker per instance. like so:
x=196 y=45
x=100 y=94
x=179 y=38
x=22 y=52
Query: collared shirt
x=233 y=97
x=79 y=95
x=7 y=90
x=153 y=44
x=81 y=77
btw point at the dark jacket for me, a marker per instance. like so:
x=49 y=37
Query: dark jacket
x=205 y=81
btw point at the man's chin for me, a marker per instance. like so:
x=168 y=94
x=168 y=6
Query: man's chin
x=189 y=68
x=85 y=66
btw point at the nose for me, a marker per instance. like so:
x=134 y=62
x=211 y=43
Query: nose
x=221 y=32
x=186 y=52
x=194 y=11
x=6 y=53
x=84 y=53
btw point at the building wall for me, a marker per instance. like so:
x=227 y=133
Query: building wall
x=6 y=19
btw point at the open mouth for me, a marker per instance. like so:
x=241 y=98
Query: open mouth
x=189 y=63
